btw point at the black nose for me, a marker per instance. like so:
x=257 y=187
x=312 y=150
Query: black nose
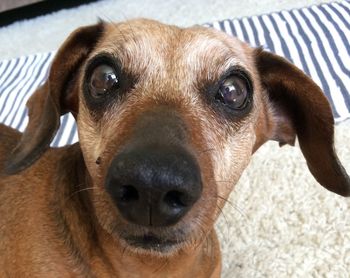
x=154 y=185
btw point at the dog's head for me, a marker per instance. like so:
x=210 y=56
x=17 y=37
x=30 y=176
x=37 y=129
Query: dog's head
x=168 y=119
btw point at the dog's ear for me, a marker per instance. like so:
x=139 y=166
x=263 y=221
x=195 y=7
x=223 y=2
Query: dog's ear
x=301 y=109
x=57 y=96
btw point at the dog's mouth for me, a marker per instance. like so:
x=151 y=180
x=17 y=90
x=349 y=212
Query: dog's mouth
x=152 y=242
x=159 y=241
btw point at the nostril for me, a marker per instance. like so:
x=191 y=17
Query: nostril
x=128 y=193
x=175 y=199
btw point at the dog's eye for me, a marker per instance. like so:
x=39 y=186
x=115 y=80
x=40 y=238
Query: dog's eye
x=233 y=92
x=103 y=80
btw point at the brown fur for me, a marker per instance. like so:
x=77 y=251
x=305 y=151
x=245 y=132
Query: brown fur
x=56 y=218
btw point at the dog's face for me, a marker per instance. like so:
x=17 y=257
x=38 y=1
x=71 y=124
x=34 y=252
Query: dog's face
x=168 y=119
x=170 y=115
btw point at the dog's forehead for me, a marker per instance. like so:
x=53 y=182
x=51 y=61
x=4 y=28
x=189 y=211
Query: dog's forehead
x=207 y=46
x=147 y=46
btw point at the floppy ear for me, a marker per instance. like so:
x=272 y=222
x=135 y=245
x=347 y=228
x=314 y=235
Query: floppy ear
x=301 y=109
x=57 y=96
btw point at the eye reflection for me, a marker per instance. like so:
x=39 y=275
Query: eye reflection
x=233 y=92
x=103 y=80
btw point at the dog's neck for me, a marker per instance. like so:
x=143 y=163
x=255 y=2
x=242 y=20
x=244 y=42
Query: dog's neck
x=94 y=252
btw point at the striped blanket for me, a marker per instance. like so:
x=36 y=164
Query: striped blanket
x=316 y=39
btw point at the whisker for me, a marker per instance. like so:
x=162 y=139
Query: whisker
x=227 y=225
x=76 y=192
x=105 y=18
x=115 y=25
x=194 y=241
x=234 y=206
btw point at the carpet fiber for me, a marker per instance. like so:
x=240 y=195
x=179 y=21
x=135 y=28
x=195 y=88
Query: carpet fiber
x=281 y=223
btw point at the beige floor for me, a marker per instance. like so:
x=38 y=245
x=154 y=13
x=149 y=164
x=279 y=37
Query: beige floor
x=46 y=33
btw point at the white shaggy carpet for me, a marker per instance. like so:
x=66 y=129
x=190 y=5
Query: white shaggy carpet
x=279 y=222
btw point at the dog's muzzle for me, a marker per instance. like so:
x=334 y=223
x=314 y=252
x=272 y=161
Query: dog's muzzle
x=155 y=180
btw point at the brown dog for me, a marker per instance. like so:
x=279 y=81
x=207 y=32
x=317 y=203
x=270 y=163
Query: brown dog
x=168 y=119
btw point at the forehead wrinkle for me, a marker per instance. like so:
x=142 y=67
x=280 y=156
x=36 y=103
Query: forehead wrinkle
x=142 y=57
x=210 y=56
x=139 y=53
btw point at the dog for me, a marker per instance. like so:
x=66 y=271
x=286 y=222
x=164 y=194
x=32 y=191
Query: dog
x=168 y=118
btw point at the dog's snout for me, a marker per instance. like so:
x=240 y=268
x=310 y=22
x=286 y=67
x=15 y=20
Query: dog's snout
x=154 y=185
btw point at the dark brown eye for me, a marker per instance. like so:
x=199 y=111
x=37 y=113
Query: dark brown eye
x=103 y=80
x=233 y=92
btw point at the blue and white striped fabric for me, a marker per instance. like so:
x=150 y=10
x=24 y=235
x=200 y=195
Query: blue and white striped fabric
x=316 y=39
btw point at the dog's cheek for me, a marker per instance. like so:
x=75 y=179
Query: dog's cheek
x=230 y=162
x=91 y=145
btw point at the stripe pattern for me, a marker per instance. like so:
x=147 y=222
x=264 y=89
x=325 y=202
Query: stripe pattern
x=315 y=39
